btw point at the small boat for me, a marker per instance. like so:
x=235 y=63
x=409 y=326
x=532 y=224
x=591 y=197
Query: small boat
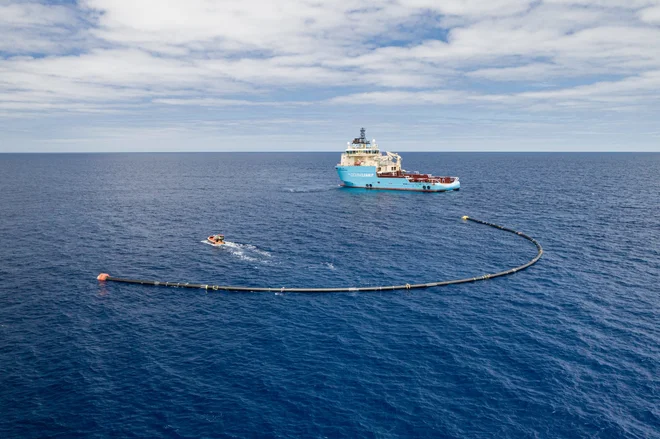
x=216 y=239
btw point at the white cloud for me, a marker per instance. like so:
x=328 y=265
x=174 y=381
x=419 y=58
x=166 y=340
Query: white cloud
x=528 y=72
x=114 y=55
x=402 y=98
x=650 y=15
x=33 y=14
x=211 y=102
x=473 y=8
x=36 y=28
x=633 y=89
x=613 y=4
x=282 y=27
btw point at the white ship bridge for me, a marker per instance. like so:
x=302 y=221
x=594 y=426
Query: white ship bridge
x=362 y=152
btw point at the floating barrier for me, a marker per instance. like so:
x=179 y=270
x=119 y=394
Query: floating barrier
x=106 y=277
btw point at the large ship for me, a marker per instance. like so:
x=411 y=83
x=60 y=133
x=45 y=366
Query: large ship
x=362 y=165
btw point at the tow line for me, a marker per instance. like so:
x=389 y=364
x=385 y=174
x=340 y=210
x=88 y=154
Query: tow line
x=103 y=277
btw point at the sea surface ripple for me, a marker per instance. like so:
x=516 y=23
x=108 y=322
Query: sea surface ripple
x=568 y=348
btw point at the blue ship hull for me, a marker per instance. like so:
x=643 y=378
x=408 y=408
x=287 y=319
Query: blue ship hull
x=366 y=177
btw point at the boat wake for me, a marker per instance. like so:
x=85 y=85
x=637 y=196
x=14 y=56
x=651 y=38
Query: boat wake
x=321 y=266
x=246 y=252
x=307 y=190
x=211 y=244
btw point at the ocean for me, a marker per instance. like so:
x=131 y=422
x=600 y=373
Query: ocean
x=567 y=348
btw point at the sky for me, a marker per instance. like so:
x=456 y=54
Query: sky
x=305 y=75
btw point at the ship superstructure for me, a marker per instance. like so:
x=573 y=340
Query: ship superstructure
x=362 y=165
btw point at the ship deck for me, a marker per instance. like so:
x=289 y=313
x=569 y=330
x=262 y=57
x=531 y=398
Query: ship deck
x=417 y=178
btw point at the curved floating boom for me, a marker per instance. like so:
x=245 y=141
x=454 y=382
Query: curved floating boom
x=106 y=277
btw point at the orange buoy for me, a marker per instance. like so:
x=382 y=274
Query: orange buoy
x=103 y=276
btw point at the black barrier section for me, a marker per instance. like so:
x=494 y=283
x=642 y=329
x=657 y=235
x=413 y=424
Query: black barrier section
x=105 y=277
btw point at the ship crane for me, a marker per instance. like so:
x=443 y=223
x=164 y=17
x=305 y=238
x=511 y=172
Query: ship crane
x=396 y=158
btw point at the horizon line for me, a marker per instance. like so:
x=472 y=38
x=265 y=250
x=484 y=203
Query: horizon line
x=334 y=152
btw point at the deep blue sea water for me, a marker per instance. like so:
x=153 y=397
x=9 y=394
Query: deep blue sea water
x=568 y=348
